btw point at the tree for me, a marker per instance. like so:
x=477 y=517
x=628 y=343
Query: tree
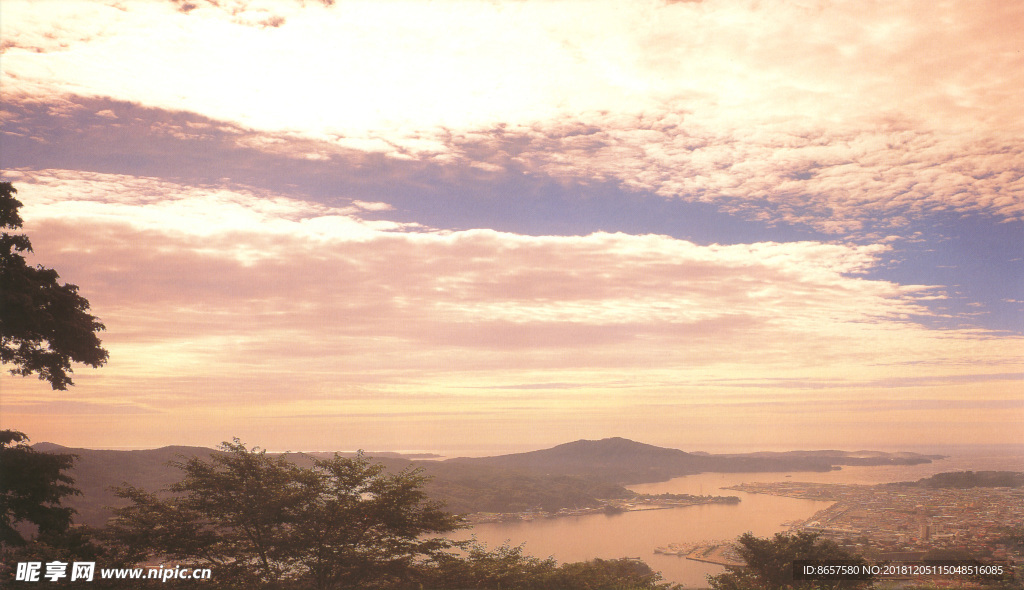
x=510 y=568
x=44 y=326
x=32 y=487
x=480 y=569
x=264 y=521
x=770 y=563
x=34 y=525
x=610 y=574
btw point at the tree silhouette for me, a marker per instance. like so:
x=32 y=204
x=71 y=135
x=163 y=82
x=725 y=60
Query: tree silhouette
x=264 y=521
x=32 y=486
x=770 y=563
x=35 y=526
x=509 y=567
x=44 y=326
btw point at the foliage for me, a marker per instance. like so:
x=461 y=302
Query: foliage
x=32 y=487
x=267 y=522
x=770 y=563
x=480 y=569
x=75 y=544
x=34 y=525
x=973 y=479
x=44 y=326
x=509 y=568
x=609 y=574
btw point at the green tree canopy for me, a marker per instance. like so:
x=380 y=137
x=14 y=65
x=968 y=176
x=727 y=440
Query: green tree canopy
x=264 y=521
x=44 y=326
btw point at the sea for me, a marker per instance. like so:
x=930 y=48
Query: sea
x=637 y=534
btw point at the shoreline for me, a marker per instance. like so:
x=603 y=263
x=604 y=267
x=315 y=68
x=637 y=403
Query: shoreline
x=608 y=508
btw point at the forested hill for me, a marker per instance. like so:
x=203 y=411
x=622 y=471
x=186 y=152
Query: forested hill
x=95 y=471
x=611 y=459
x=970 y=479
x=624 y=461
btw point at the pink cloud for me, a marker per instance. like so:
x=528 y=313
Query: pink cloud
x=216 y=282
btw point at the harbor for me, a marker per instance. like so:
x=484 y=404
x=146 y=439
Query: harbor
x=716 y=552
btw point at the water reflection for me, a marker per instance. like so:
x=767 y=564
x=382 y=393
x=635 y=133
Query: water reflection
x=636 y=534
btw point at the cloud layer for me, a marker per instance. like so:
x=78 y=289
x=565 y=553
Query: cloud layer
x=847 y=117
x=225 y=298
x=576 y=218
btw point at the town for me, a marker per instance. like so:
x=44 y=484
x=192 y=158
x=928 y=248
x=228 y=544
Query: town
x=907 y=522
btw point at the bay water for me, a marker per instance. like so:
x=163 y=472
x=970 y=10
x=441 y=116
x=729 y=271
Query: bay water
x=638 y=533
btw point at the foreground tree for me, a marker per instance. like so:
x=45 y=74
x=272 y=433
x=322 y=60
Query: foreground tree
x=480 y=569
x=34 y=523
x=770 y=563
x=32 y=487
x=508 y=567
x=263 y=521
x=44 y=326
x=610 y=574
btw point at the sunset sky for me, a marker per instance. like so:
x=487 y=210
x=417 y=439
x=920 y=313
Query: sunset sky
x=473 y=227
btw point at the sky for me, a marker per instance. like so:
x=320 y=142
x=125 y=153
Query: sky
x=472 y=228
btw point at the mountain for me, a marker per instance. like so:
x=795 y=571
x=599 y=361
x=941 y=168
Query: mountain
x=611 y=459
x=96 y=471
x=627 y=462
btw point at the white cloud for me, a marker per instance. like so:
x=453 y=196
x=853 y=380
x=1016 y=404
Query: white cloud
x=827 y=114
x=372 y=206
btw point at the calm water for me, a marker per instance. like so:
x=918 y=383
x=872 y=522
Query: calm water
x=636 y=534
